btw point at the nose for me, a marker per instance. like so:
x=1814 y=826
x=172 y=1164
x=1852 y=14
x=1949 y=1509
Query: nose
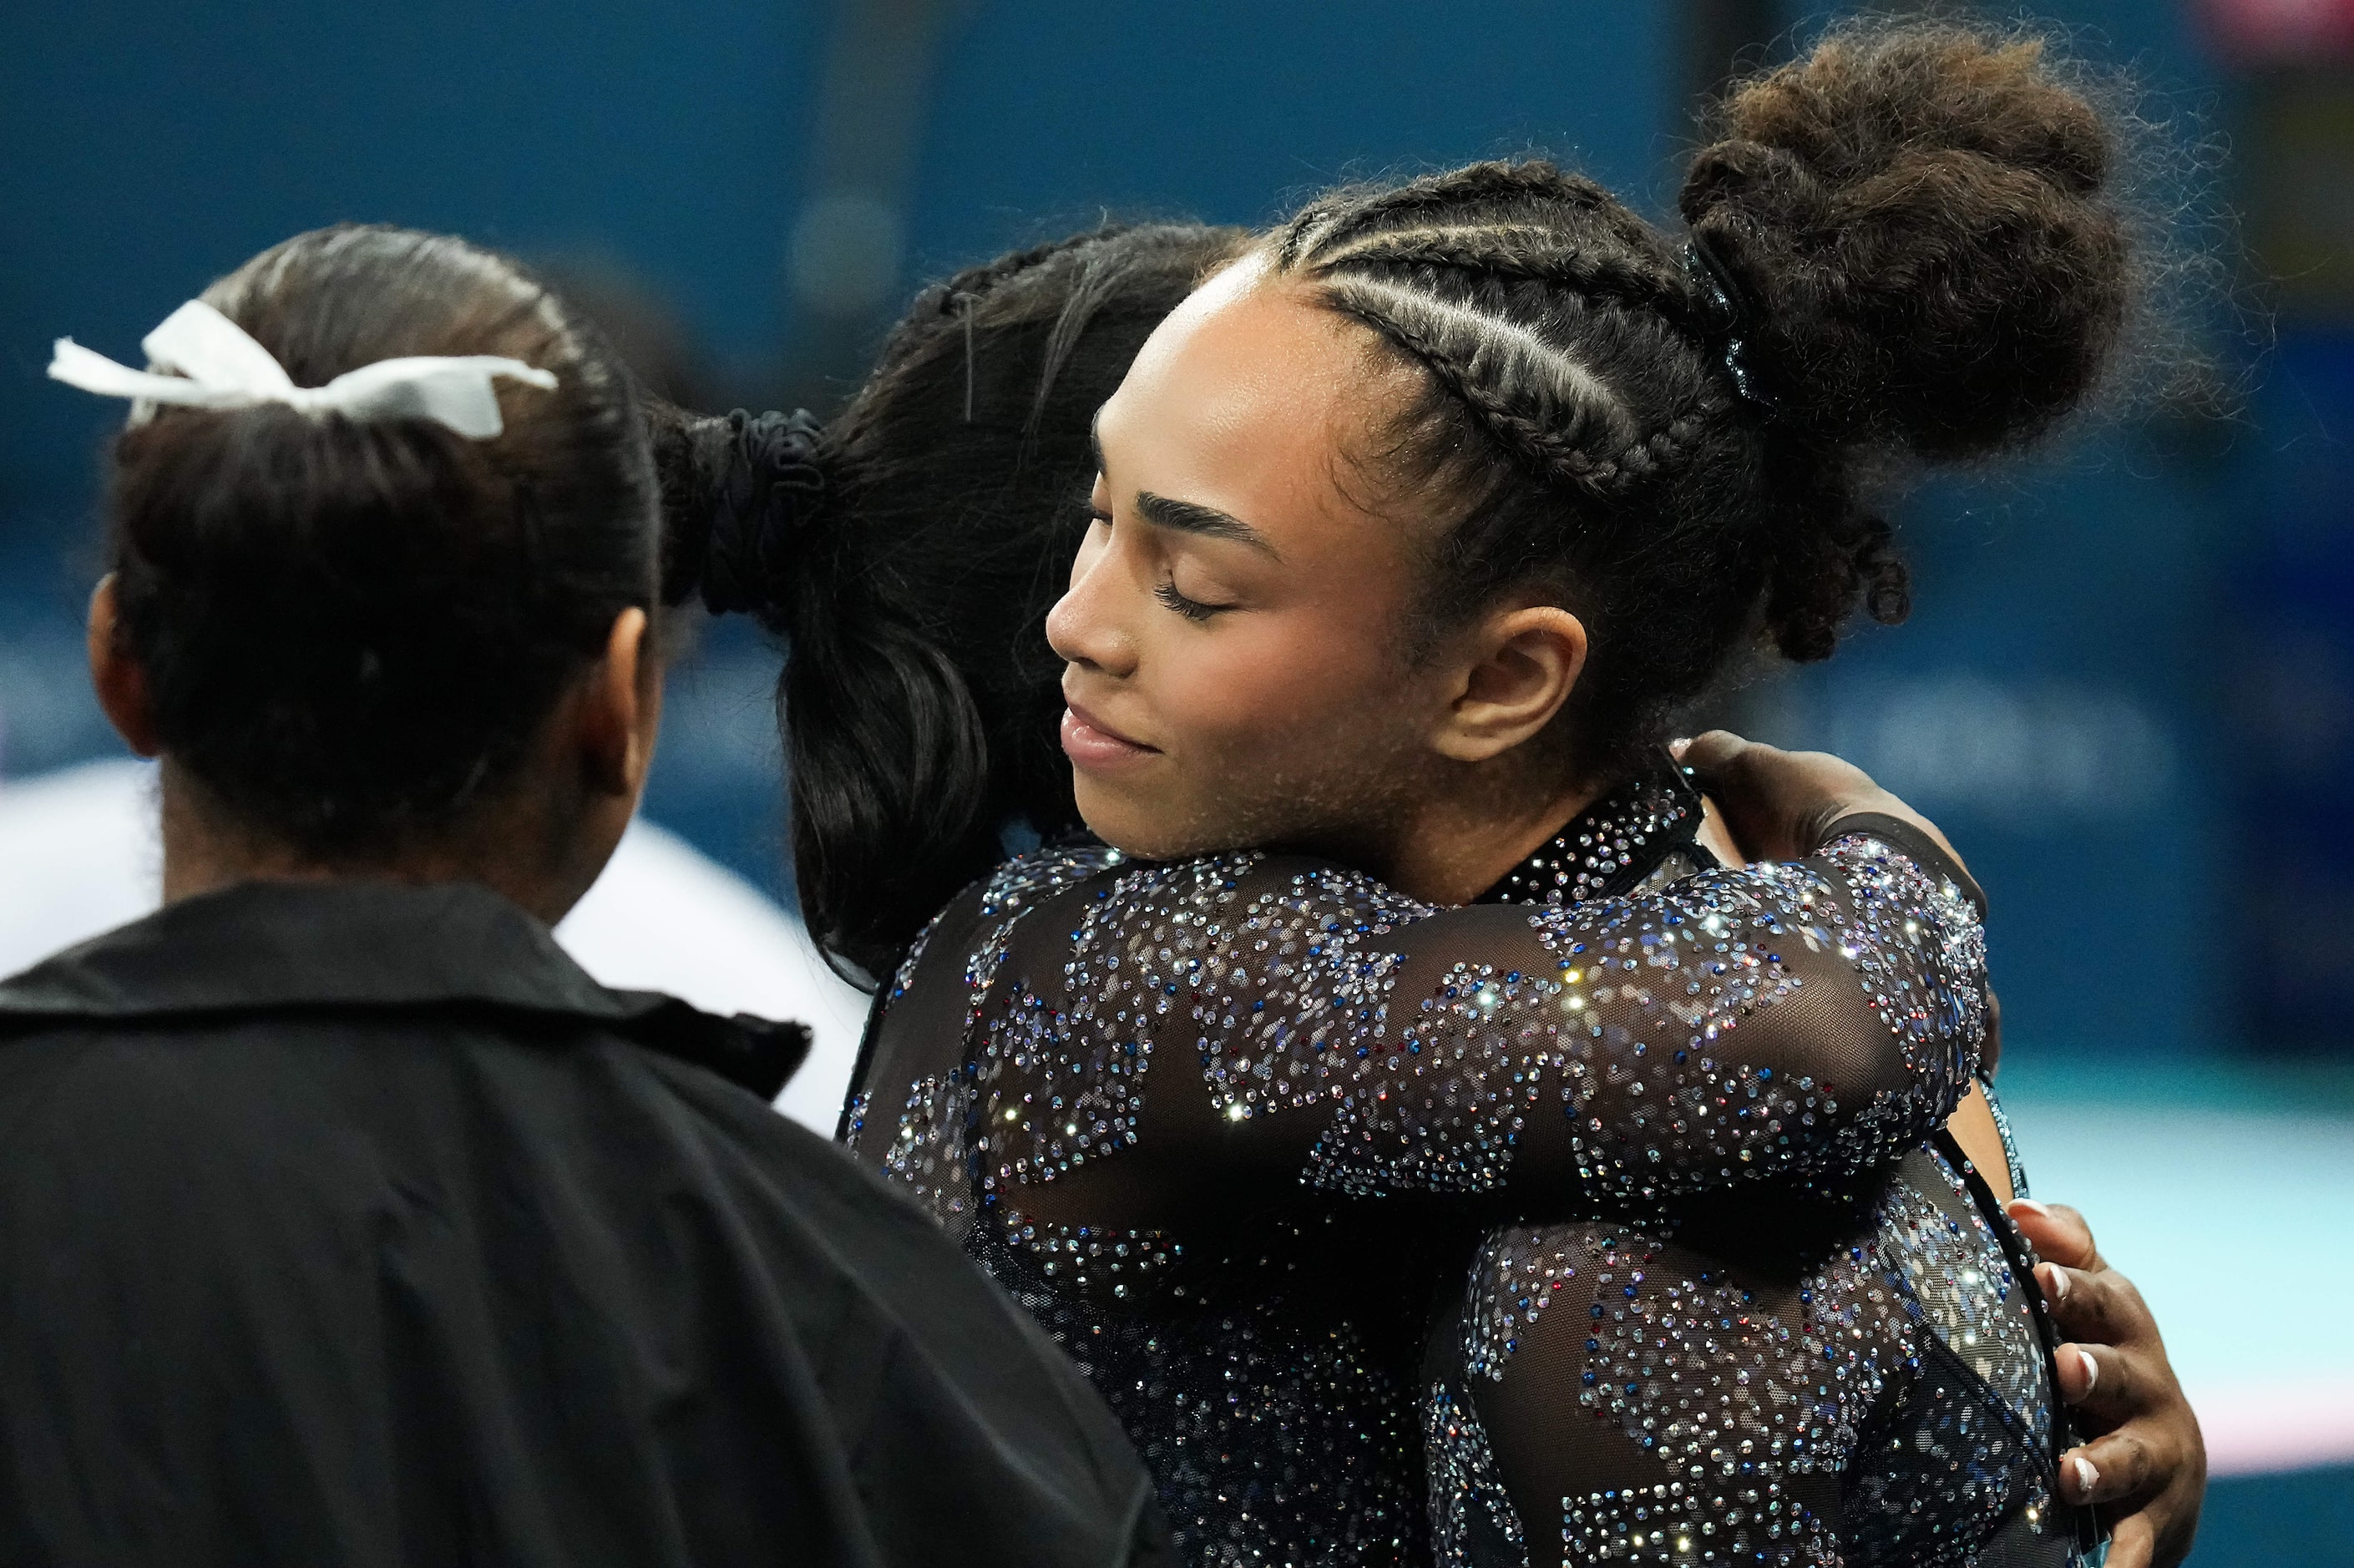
x=1084 y=627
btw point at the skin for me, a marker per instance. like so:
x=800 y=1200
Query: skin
x=1222 y=690
x=2146 y=1470
x=540 y=841
x=1221 y=687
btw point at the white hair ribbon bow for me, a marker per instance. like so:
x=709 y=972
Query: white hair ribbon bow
x=220 y=366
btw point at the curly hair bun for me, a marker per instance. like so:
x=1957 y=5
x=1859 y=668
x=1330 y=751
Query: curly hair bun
x=1918 y=216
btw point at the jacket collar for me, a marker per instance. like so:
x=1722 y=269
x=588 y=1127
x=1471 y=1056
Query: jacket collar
x=266 y=947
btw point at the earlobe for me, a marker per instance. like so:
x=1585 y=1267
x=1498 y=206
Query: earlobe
x=121 y=684
x=1523 y=665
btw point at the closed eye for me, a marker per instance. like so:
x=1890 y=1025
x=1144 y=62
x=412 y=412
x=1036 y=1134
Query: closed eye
x=1190 y=608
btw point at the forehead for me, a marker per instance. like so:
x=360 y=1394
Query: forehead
x=1239 y=400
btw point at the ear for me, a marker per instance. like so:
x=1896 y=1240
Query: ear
x=1518 y=667
x=121 y=684
x=621 y=708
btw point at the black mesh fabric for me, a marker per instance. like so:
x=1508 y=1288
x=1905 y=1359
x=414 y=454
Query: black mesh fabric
x=1775 y=1377
x=1231 y=1128
x=1843 y=1369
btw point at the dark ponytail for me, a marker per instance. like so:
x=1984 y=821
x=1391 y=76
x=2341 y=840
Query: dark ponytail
x=350 y=632
x=906 y=553
x=1905 y=246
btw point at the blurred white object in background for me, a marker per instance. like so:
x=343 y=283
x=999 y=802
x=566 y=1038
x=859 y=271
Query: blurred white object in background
x=666 y=918
x=80 y=853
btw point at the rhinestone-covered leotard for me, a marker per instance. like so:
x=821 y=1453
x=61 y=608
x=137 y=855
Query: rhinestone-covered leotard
x=1840 y=1369
x=1233 y=1128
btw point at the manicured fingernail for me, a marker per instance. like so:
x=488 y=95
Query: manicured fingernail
x=2031 y=1206
x=2087 y=1478
x=2055 y=1279
x=2092 y=1376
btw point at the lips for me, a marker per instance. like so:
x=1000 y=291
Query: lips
x=1092 y=744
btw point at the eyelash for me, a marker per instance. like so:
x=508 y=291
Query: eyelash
x=1190 y=608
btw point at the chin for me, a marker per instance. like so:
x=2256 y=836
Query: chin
x=1143 y=829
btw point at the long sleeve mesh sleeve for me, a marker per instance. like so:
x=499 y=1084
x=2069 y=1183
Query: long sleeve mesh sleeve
x=1289 y=1017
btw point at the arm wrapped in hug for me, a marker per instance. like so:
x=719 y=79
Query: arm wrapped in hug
x=1294 y=1020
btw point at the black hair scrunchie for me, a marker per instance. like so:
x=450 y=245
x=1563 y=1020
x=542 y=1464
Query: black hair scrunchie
x=766 y=487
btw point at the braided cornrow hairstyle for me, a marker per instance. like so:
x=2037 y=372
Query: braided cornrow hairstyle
x=1926 y=262
x=919 y=700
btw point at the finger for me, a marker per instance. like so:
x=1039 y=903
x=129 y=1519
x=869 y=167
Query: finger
x=2107 y=1387
x=2114 y=1468
x=2097 y=1309
x=1720 y=764
x=2133 y=1542
x=2056 y=1232
x=2077 y=1373
x=1710 y=754
x=1766 y=798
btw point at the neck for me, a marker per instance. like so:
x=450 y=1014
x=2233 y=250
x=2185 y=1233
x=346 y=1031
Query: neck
x=1459 y=844
x=205 y=851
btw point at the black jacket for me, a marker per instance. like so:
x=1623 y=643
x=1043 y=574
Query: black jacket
x=354 y=1224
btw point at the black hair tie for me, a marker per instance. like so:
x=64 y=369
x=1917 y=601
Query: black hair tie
x=1732 y=316
x=766 y=485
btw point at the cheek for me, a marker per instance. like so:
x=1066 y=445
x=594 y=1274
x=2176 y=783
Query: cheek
x=1293 y=695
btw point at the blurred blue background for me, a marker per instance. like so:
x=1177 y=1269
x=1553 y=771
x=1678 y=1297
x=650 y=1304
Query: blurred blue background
x=2127 y=689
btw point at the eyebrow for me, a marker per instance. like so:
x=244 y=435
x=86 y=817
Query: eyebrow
x=1188 y=516
x=1193 y=517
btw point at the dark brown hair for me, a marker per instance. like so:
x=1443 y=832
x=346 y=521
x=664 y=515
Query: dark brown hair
x=918 y=700
x=1921 y=252
x=1903 y=245
x=350 y=631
